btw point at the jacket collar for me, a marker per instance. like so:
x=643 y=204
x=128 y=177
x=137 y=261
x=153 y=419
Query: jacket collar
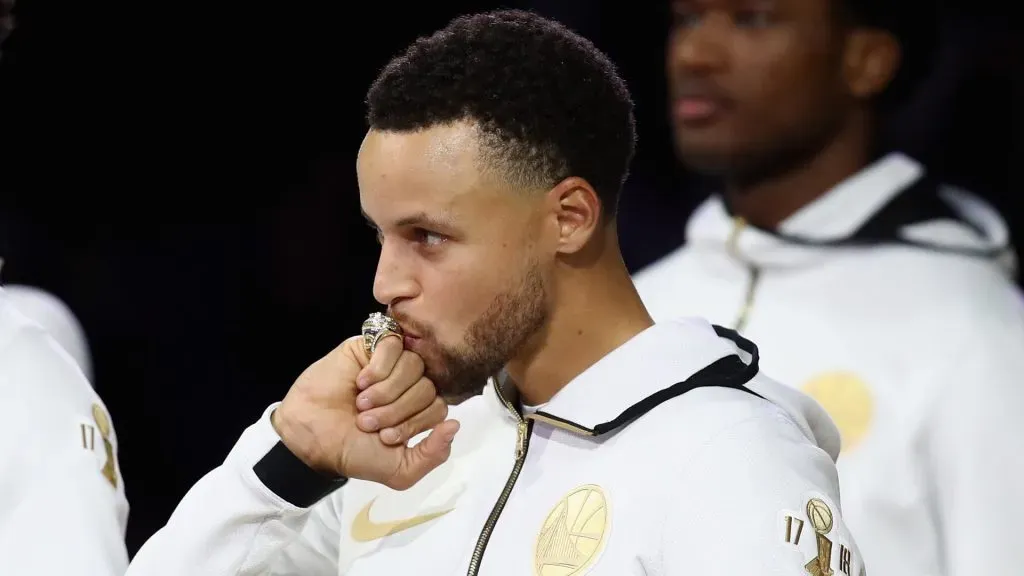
x=834 y=216
x=892 y=202
x=662 y=362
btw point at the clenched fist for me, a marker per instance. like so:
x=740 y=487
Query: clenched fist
x=348 y=415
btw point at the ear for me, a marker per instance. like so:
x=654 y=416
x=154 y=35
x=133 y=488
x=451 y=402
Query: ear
x=870 y=61
x=578 y=212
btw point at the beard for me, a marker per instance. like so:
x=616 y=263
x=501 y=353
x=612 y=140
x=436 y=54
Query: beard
x=492 y=340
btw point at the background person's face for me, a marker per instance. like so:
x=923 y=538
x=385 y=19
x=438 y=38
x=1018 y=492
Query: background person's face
x=753 y=82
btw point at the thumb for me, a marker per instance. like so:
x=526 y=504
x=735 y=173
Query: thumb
x=430 y=453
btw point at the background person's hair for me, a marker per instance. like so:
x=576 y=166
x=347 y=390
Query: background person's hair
x=914 y=23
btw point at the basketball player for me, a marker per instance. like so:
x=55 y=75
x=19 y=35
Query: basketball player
x=63 y=509
x=883 y=294
x=607 y=444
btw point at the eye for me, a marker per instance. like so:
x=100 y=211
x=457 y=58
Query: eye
x=430 y=239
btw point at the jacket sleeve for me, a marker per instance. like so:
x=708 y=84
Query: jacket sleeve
x=975 y=448
x=759 y=499
x=262 y=512
x=62 y=502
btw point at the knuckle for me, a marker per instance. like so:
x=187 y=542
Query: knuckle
x=390 y=345
x=353 y=343
x=374 y=373
x=397 y=434
x=410 y=428
x=412 y=361
x=400 y=483
x=386 y=416
x=373 y=393
x=426 y=390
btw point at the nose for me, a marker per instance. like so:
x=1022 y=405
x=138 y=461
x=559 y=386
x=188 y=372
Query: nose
x=394 y=280
x=700 y=46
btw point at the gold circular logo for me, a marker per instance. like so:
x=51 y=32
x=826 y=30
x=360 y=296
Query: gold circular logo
x=573 y=534
x=847 y=400
x=820 y=516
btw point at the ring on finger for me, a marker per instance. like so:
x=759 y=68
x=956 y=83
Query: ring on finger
x=377 y=327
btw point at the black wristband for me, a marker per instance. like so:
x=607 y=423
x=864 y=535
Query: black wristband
x=285 y=475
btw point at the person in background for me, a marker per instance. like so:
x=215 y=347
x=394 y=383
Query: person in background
x=63 y=509
x=873 y=287
x=54 y=316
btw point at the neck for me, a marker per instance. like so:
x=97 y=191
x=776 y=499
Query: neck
x=768 y=202
x=596 y=309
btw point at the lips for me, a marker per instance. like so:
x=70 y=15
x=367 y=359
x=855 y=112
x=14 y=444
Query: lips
x=695 y=109
x=409 y=328
x=698 y=103
x=411 y=343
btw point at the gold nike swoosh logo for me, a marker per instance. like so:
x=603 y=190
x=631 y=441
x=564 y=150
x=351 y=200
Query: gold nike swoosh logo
x=366 y=530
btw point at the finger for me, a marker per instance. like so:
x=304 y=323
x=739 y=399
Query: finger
x=405 y=374
x=385 y=355
x=419 y=460
x=425 y=420
x=416 y=399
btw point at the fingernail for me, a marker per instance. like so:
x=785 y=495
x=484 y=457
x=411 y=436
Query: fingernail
x=362 y=382
x=448 y=438
x=364 y=403
x=390 y=435
x=369 y=422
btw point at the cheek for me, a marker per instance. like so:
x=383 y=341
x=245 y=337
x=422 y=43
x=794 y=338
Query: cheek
x=455 y=296
x=778 y=84
x=768 y=73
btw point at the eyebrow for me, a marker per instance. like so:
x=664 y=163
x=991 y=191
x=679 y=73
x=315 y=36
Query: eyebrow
x=421 y=219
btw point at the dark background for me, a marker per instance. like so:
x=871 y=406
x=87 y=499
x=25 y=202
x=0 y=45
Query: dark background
x=183 y=177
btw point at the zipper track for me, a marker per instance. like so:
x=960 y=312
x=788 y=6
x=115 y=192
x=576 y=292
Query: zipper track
x=524 y=428
x=732 y=245
x=748 y=301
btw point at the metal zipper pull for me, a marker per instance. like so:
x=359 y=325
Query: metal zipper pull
x=732 y=243
x=521 y=443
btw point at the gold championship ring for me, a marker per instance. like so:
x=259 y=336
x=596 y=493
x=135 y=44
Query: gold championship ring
x=376 y=328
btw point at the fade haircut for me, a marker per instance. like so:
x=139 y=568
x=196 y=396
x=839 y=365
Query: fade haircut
x=548 y=104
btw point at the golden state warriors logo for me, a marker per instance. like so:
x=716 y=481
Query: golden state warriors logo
x=573 y=533
x=847 y=400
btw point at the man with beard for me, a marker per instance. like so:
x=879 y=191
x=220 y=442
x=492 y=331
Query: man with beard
x=868 y=285
x=605 y=444
x=63 y=508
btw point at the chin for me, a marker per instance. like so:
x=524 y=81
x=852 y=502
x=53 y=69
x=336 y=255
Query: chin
x=704 y=157
x=707 y=163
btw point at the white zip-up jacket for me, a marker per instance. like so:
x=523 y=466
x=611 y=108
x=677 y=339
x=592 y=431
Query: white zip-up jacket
x=889 y=301
x=63 y=509
x=670 y=456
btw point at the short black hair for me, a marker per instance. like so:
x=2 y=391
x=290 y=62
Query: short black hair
x=914 y=24
x=549 y=104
